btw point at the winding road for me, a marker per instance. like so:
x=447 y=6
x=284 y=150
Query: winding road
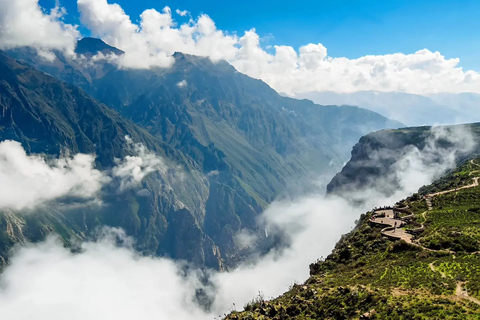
x=394 y=230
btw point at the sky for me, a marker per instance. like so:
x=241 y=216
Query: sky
x=419 y=47
x=348 y=28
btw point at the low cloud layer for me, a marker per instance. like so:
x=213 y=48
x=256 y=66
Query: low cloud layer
x=106 y=281
x=151 y=40
x=30 y=180
x=132 y=169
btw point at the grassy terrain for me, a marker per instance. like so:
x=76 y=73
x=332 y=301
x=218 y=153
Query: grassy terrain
x=370 y=277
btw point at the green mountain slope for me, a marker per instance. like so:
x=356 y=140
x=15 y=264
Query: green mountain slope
x=433 y=272
x=205 y=108
x=48 y=116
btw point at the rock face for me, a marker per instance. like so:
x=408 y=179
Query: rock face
x=240 y=144
x=375 y=155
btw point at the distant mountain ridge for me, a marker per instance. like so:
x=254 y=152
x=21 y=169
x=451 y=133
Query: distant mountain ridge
x=411 y=109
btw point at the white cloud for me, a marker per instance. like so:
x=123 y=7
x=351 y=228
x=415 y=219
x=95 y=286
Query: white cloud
x=413 y=167
x=182 y=84
x=105 y=281
x=182 y=13
x=152 y=40
x=30 y=180
x=156 y=37
x=24 y=23
x=132 y=169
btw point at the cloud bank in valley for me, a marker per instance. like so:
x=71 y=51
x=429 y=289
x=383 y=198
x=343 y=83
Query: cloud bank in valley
x=31 y=180
x=152 y=40
x=28 y=180
x=106 y=281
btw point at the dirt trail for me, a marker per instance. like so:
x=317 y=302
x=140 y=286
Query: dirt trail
x=432 y=267
x=462 y=293
x=429 y=197
x=459 y=290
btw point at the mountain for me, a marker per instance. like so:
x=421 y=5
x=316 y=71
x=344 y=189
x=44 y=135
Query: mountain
x=411 y=109
x=49 y=116
x=241 y=143
x=90 y=47
x=425 y=269
x=376 y=154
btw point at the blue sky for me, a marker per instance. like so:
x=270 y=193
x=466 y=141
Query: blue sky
x=349 y=28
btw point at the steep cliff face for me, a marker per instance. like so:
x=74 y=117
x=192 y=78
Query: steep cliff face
x=375 y=155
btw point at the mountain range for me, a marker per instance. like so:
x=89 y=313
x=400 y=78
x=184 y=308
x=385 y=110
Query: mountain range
x=239 y=144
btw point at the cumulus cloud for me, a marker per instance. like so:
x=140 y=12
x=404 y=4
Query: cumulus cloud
x=28 y=180
x=156 y=37
x=151 y=40
x=25 y=23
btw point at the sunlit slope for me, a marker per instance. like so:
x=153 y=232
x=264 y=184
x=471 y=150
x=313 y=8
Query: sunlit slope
x=434 y=274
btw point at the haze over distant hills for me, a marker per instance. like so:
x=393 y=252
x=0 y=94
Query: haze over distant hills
x=410 y=109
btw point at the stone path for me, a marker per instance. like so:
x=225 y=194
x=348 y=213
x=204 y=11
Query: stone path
x=390 y=222
x=394 y=226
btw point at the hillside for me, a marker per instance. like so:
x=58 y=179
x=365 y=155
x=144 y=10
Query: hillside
x=204 y=108
x=427 y=269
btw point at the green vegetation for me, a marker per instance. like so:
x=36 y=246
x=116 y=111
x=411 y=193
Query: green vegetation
x=454 y=222
x=368 y=276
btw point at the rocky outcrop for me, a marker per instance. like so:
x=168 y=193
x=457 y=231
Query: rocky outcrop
x=373 y=158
